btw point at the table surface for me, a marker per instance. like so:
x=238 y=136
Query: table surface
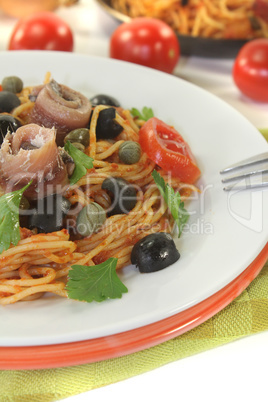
x=231 y=372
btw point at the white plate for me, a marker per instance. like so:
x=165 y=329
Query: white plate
x=226 y=230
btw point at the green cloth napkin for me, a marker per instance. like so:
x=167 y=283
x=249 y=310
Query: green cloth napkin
x=246 y=315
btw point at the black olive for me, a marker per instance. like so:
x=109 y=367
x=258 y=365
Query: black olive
x=8 y=123
x=154 y=252
x=124 y=197
x=48 y=216
x=107 y=127
x=8 y=101
x=104 y=100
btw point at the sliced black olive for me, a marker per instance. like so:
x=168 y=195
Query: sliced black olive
x=8 y=101
x=124 y=197
x=154 y=252
x=8 y=123
x=49 y=214
x=102 y=99
x=107 y=126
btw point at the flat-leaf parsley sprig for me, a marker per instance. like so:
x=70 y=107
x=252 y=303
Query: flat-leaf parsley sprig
x=9 y=218
x=173 y=201
x=145 y=114
x=81 y=160
x=98 y=282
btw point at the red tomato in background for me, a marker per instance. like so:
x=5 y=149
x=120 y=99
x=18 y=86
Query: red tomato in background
x=250 y=70
x=166 y=147
x=260 y=8
x=43 y=31
x=146 y=41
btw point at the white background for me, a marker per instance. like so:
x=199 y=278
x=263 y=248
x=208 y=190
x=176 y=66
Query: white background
x=233 y=372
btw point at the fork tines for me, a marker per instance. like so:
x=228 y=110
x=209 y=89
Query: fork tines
x=247 y=173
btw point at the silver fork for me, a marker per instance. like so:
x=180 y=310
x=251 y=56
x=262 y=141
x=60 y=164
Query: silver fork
x=249 y=173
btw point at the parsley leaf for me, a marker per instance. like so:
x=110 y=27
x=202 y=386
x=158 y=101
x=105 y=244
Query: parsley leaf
x=145 y=114
x=81 y=160
x=173 y=201
x=99 y=282
x=9 y=218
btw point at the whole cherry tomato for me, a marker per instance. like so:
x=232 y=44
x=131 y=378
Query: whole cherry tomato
x=43 y=31
x=146 y=41
x=260 y=8
x=250 y=70
x=166 y=147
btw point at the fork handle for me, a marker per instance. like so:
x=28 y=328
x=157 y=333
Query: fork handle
x=246 y=162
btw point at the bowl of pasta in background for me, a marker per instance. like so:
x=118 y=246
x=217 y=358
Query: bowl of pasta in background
x=190 y=45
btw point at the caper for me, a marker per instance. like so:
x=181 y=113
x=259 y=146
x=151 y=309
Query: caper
x=79 y=146
x=12 y=84
x=124 y=197
x=79 y=135
x=90 y=219
x=129 y=152
x=8 y=101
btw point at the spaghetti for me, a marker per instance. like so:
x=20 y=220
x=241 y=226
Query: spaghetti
x=40 y=263
x=219 y=19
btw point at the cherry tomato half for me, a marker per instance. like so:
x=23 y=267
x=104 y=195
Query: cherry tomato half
x=146 y=41
x=250 y=70
x=43 y=31
x=166 y=147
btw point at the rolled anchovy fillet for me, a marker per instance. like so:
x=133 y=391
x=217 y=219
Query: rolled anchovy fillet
x=31 y=154
x=61 y=107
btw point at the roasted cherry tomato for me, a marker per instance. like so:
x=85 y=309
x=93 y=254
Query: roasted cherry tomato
x=250 y=70
x=43 y=31
x=146 y=41
x=166 y=147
